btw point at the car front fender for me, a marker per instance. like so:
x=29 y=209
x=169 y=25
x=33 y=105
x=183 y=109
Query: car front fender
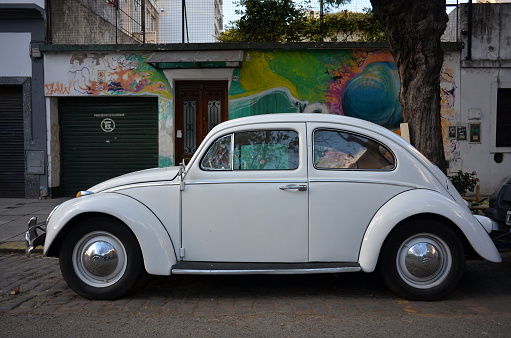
x=416 y=202
x=155 y=243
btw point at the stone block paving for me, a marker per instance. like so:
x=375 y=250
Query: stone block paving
x=16 y=212
x=34 y=286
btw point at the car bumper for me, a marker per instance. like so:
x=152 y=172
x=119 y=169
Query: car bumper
x=32 y=238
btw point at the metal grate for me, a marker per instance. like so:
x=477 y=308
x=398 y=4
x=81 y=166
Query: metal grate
x=12 y=156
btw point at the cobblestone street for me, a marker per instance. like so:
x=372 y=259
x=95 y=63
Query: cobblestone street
x=300 y=305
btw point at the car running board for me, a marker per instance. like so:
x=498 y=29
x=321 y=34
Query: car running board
x=208 y=268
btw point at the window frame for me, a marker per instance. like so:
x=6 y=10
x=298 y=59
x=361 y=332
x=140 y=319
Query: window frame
x=378 y=142
x=232 y=151
x=495 y=86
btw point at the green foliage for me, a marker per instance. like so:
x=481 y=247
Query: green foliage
x=347 y=26
x=464 y=182
x=287 y=21
x=267 y=21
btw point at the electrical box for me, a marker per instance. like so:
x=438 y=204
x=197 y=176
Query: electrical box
x=35 y=162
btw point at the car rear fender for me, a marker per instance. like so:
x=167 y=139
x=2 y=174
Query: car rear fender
x=155 y=243
x=422 y=202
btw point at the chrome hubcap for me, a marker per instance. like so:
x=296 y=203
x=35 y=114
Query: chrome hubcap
x=99 y=259
x=424 y=261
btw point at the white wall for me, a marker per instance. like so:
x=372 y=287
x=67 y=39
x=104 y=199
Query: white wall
x=15 y=54
x=479 y=94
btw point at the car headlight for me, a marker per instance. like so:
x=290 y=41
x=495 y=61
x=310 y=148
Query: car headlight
x=84 y=193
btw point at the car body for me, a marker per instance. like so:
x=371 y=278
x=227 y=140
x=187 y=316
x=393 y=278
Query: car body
x=274 y=194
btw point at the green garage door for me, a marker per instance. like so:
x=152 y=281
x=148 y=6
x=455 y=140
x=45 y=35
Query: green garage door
x=106 y=137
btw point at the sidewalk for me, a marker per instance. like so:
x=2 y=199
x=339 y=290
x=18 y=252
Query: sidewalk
x=14 y=216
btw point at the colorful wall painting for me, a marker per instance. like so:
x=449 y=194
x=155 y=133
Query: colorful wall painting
x=358 y=83
x=106 y=74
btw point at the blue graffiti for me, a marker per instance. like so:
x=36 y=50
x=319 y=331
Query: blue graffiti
x=373 y=95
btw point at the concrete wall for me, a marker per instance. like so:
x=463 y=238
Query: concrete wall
x=90 y=22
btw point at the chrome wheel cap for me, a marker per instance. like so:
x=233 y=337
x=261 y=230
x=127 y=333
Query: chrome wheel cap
x=424 y=261
x=99 y=259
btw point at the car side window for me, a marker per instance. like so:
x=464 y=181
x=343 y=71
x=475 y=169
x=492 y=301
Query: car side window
x=219 y=156
x=254 y=150
x=334 y=149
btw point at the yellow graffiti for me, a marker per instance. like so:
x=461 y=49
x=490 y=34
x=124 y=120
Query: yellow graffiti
x=257 y=76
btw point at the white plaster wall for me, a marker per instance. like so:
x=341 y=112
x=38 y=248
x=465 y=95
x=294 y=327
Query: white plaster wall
x=479 y=94
x=15 y=54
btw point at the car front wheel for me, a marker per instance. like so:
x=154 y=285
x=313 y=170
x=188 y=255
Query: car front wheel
x=101 y=259
x=422 y=260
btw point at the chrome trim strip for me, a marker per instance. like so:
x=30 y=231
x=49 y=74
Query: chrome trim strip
x=251 y=181
x=362 y=181
x=265 y=272
x=141 y=184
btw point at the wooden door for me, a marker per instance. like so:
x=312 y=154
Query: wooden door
x=199 y=107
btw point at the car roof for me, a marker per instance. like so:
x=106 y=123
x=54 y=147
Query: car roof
x=311 y=117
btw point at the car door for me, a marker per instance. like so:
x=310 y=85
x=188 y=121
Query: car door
x=245 y=197
x=351 y=175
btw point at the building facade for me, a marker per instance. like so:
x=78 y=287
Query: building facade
x=110 y=109
x=23 y=166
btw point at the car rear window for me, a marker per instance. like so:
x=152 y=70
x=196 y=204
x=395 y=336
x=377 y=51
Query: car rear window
x=334 y=149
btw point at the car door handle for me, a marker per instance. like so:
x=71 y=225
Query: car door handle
x=299 y=187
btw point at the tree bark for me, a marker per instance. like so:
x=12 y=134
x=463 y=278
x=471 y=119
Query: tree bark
x=414 y=29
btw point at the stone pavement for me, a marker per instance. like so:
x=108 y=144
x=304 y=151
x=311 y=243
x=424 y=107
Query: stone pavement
x=14 y=216
x=32 y=290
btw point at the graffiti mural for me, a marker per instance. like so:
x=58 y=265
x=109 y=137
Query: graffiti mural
x=358 y=83
x=448 y=112
x=109 y=74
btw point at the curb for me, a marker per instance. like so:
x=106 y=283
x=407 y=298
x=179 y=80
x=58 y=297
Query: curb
x=17 y=247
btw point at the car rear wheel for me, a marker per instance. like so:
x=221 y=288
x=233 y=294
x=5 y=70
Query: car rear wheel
x=422 y=260
x=101 y=259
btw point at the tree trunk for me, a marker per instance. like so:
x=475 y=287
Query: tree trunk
x=414 y=29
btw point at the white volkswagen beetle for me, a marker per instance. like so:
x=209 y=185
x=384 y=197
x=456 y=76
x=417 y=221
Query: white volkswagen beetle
x=274 y=194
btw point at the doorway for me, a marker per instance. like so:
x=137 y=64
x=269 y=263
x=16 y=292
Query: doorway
x=200 y=106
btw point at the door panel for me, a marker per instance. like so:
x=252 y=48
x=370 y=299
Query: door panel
x=350 y=177
x=199 y=107
x=248 y=212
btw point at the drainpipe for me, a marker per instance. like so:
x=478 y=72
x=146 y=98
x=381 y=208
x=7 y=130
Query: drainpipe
x=469 y=30
x=142 y=21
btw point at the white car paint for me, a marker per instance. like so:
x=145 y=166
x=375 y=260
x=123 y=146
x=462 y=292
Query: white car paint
x=155 y=243
x=422 y=201
x=199 y=218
